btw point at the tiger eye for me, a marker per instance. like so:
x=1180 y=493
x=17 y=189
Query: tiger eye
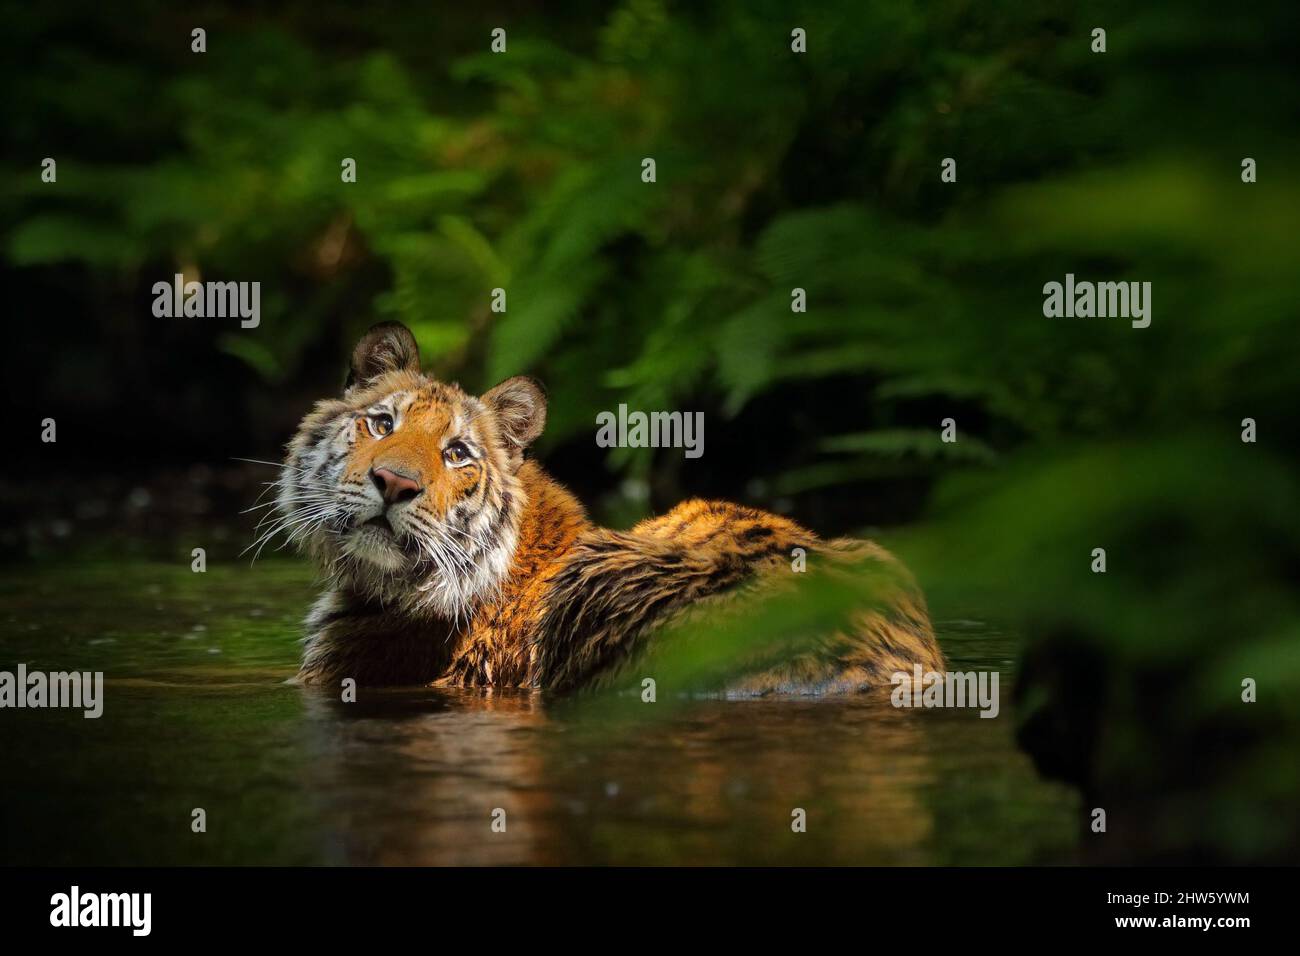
x=383 y=424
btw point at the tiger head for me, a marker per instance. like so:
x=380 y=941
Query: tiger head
x=406 y=490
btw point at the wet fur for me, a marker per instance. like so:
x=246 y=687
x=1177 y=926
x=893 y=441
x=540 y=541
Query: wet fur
x=494 y=575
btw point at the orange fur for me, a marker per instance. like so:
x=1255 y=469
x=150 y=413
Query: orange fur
x=483 y=571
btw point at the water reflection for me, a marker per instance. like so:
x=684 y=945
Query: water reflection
x=198 y=714
x=414 y=778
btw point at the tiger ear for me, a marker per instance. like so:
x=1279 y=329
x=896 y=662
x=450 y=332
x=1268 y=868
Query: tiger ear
x=519 y=405
x=387 y=347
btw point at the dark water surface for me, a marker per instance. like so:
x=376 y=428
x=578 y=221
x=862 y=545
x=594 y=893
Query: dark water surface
x=197 y=714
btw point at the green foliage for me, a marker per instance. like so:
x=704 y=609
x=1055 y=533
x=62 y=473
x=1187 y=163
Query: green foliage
x=1133 y=678
x=775 y=171
x=818 y=171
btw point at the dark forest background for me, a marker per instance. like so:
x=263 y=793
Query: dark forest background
x=775 y=170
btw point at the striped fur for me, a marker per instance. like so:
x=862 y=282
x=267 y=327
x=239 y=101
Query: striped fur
x=492 y=574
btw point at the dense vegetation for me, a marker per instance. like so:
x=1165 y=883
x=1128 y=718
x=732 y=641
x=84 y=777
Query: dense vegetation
x=775 y=170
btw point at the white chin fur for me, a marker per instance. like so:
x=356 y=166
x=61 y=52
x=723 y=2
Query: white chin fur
x=377 y=549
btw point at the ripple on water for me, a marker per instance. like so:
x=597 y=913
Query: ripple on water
x=198 y=714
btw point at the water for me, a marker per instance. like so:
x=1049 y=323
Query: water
x=197 y=715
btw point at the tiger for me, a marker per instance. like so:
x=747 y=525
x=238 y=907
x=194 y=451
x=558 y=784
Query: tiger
x=451 y=558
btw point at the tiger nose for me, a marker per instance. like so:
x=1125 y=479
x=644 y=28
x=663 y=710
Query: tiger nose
x=394 y=487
